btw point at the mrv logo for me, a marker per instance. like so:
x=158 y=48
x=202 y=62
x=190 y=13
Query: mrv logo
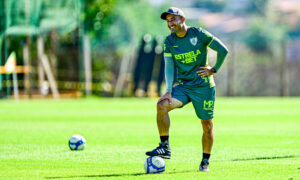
x=208 y=105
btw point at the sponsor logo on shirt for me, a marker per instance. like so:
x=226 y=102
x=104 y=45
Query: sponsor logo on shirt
x=189 y=57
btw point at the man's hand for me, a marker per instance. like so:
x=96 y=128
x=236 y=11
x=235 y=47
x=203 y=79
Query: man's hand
x=205 y=71
x=166 y=96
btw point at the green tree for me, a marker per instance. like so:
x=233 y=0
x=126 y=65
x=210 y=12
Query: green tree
x=263 y=33
x=97 y=17
x=264 y=30
x=258 y=7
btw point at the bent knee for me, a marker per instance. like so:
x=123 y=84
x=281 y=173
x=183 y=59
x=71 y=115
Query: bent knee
x=163 y=106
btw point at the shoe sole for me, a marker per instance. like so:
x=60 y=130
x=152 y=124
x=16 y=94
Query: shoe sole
x=162 y=156
x=165 y=157
x=203 y=170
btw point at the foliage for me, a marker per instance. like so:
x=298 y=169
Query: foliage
x=126 y=24
x=2 y=22
x=263 y=33
x=257 y=7
x=97 y=17
x=214 y=6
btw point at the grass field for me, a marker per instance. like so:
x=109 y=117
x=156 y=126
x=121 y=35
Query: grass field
x=256 y=138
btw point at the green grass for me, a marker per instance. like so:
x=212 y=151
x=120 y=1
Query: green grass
x=256 y=138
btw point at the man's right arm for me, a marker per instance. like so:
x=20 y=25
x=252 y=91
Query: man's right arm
x=169 y=72
x=169 y=76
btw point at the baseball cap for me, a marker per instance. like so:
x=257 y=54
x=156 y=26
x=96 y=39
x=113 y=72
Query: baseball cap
x=172 y=10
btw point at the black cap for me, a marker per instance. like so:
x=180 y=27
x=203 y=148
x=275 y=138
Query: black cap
x=172 y=10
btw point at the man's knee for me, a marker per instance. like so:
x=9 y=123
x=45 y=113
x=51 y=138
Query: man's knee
x=207 y=125
x=162 y=106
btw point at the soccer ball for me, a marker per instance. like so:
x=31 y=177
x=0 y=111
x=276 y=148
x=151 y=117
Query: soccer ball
x=77 y=142
x=154 y=164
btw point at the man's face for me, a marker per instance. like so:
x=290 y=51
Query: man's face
x=174 y=22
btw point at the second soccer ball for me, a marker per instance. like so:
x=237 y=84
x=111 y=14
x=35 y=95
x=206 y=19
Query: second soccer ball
x=77 y=142
x=154 y=164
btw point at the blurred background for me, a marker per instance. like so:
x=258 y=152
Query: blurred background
x=113 y=48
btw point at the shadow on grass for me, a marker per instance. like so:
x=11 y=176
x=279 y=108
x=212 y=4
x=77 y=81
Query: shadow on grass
x=266 y=158
x=98 y=176
x=116 y=175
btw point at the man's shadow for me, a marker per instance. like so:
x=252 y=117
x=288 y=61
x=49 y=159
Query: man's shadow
x=172 y=172
x=115 y=175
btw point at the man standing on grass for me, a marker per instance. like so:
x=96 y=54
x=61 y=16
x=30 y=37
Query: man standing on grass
x=186 y=47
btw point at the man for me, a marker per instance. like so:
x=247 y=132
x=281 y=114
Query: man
x=186 y=47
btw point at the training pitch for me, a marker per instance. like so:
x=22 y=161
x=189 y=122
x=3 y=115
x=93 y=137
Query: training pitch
x=256 y=138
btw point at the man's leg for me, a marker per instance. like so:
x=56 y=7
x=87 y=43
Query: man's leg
x=203 y=101
x=163 y=124
x=208 y=137
x=162 y=117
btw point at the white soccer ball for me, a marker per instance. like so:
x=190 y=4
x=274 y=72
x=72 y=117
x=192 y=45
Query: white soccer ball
x=154 y=164
x=77 y=142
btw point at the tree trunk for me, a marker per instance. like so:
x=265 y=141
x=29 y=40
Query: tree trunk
x=26 y=60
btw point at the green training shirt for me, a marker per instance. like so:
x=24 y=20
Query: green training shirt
x=189 y=53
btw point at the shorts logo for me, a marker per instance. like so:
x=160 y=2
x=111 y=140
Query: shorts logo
x=208 y=105
x=194 y=41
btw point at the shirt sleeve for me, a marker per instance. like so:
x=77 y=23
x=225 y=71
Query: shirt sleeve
x=167 y=52
x=221 y=50
x=169 y=68
x=205 y=36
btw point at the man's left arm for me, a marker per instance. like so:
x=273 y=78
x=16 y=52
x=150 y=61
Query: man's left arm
x=222 y=52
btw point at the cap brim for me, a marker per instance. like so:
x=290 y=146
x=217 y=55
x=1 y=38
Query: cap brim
x=164 y=15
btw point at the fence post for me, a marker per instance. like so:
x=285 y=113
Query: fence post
x=231 y=71
x=87 y=65
x=283 y=71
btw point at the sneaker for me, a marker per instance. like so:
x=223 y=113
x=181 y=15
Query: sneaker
x=163 y=150
x=204 y=165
